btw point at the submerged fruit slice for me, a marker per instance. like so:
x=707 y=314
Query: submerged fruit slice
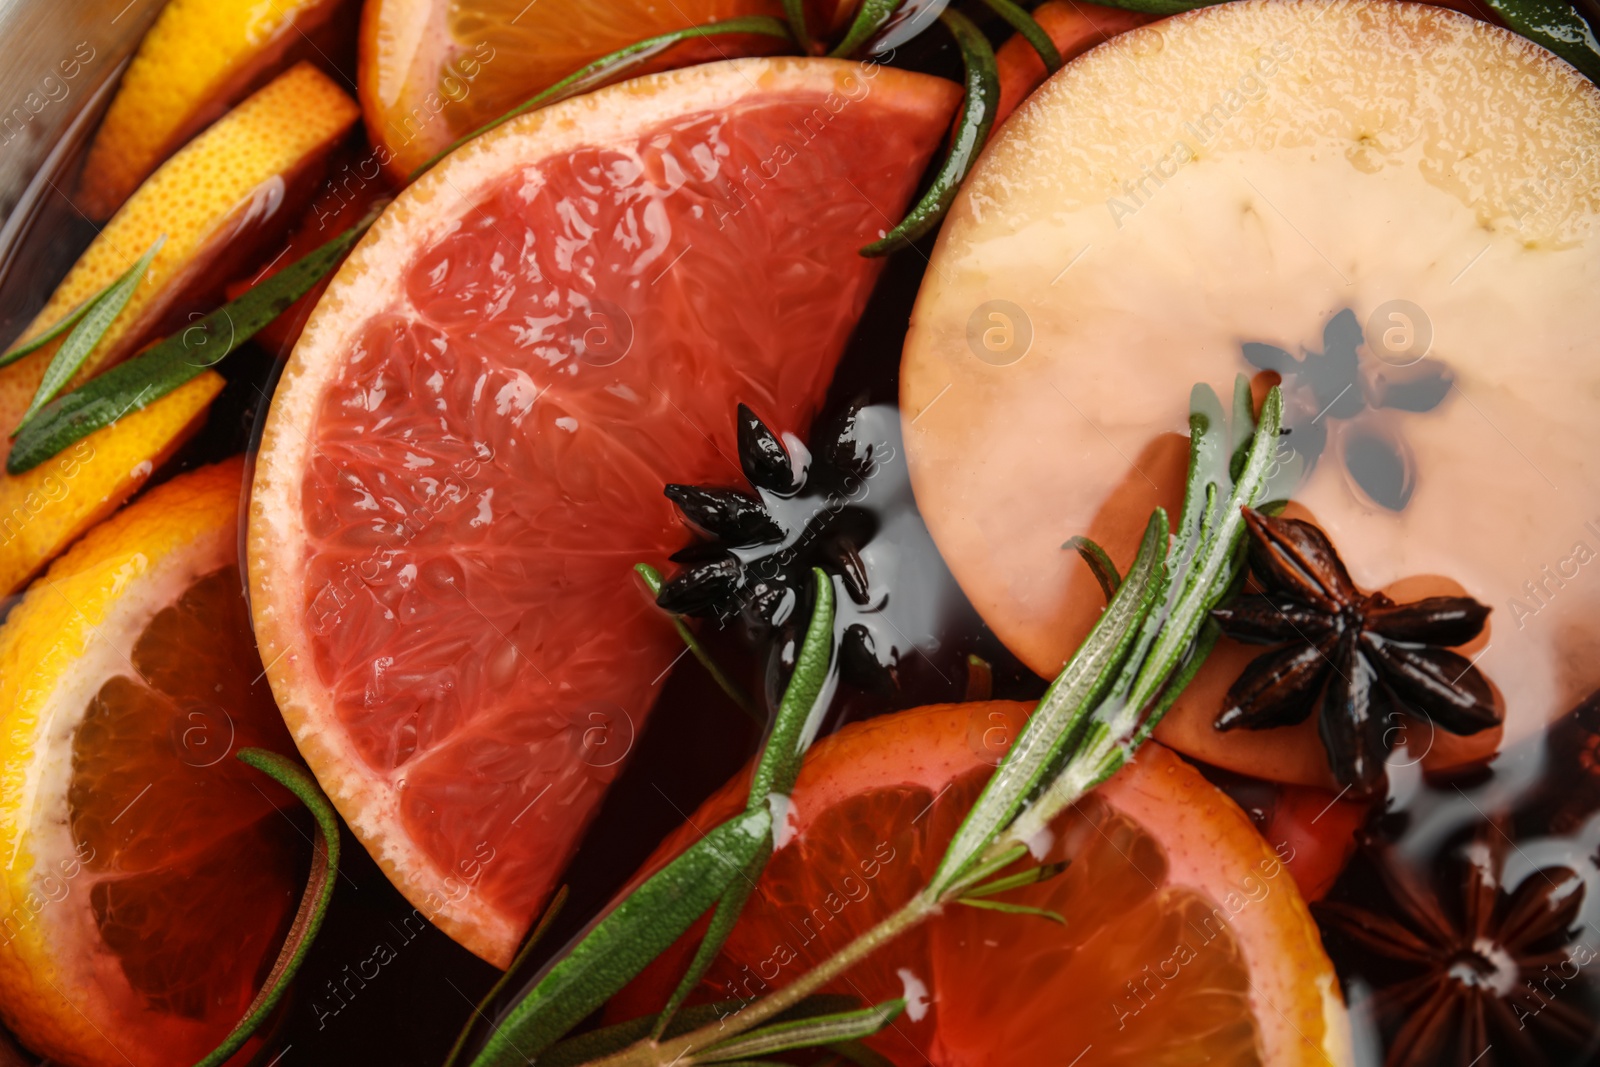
x=1111 y=249
x=150 y=875
x=50 y=506
x=211 y=202
x=467 y=453
x=197 y=60
x=433 y=71
x=1186 y=940
x=1073 y=28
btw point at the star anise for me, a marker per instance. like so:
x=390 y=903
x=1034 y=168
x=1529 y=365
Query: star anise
x=1332 y=395
x=1485 y=972
x=1359 y=658
x=754 y=565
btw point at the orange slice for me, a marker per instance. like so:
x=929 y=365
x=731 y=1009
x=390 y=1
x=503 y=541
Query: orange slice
x=212 y=201
x=1186 y=940
x=466 y=454
x=1333 y=160
x=199 y=58
x=433 y=71
x=149 y=875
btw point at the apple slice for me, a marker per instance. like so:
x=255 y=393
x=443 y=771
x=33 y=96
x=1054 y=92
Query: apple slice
x=1242 y=176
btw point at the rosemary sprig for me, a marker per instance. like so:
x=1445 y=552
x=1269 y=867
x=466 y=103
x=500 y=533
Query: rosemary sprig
x=871 y=17
x=185 y=355
x=617 y=66
x=1149 y=640
x=96 y=316
x=1019 y=19
x=653 y=582
x=718 y=870
x=972 y=132
x=313 y=903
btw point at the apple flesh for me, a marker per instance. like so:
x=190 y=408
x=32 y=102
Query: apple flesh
x=1245 y=173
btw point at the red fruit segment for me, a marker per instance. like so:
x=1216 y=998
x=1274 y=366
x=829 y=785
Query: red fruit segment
x=497 y=386
x=1185 y=941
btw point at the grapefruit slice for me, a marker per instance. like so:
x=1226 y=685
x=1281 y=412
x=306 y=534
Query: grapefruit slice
x=198 y=60
x=1186 y=940
x=1373 y=157
x=432 y=71
x=149 y=875
x=211 y=201
x=467 y=452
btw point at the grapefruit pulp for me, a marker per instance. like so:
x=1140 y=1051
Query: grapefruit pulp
x=1186 y=940
x=467 y=452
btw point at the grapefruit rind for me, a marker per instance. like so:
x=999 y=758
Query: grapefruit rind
x=372 y=282
x=66 y=637
x=1340 y=154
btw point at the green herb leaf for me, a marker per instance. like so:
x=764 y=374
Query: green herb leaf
x=972 y=132
x=313 y=903
x=805 y=1033
x=795 y=12
x=722 y=923
x=1556 y=25
x=1100 y=564
x=97 y=319
x=617 y=66
x=1031 y=31
x=871 y=17
x=736 y=693
x=27 y=348
x=1054 y=724
x=1031 y=876
x=105 y=398
x=551 y=910
x=608 y=1039
x=1013 y=909
x=1158 y=7
x=800 y=713
x=621 y=944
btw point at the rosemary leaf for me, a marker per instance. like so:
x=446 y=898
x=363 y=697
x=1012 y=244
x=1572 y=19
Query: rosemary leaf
x=727 y=913
x=27 y=348
x=584 y=1048
x=1054 y=723
x=972 y=132
x=1031 y=31
x=800 y=713
x=795 y=12
x=105 y=398
x=617 y=66
x=653 y=582
x=1158 y=7
x=1100 y=564
x=313 y=902
x=805 y=1033
x=86 y=336
x=1556 y=25
x=622 y=943
x=1013 y=909
x=1030 y=876
x=871 y=17
x=551 y=910
x=805 y=701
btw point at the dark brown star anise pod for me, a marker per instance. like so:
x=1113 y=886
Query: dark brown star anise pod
x=1487 y=971
x=1359 y=658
